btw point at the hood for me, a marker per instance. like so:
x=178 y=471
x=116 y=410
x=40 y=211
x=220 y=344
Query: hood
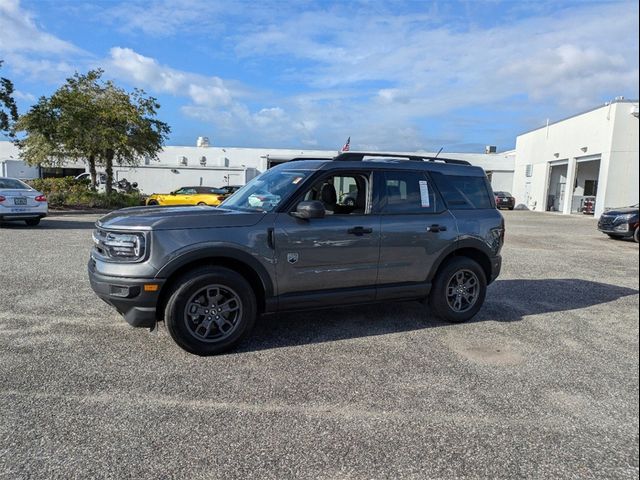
x=622 y=210
x=173 y=218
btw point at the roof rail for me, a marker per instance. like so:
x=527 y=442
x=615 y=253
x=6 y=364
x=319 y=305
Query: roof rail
x=359 y=156
x=294 y=159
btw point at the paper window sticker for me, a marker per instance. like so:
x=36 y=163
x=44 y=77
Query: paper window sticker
x=424 y=194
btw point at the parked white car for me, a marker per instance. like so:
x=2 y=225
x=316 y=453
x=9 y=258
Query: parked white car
x=20 y=202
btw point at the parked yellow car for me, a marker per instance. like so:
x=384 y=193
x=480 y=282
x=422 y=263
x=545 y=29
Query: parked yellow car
x=189 y=196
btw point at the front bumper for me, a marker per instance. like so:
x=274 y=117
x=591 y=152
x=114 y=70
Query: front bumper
x=496 y=266
x=621 y=229
x=128 y=296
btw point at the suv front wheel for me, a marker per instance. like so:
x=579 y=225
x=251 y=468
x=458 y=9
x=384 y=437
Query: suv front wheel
x=211 y=310
x=458 y=291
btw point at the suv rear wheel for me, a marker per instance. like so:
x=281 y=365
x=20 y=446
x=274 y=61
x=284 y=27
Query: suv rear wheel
x=458 y=290
x=211 y=310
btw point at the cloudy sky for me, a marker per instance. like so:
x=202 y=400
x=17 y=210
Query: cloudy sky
x=307 y=74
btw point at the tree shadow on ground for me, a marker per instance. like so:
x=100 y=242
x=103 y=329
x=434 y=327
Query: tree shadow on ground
x=507 y=301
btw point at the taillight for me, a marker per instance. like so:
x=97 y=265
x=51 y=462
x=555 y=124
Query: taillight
x=220 y=198
x=40 y=198
x=2 y=199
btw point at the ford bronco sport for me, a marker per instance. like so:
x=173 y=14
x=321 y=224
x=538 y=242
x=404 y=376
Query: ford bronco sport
x=358 y=228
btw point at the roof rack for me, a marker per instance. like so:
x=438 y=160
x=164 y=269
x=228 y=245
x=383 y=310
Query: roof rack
x=359 y=156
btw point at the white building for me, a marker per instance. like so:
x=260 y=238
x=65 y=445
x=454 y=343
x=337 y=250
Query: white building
x=592 y=154
x=178 y=166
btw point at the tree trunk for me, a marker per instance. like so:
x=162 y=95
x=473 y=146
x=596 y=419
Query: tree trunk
x=108 y=156
x=92 y=172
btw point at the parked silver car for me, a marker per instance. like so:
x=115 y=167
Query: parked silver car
x=20 y=202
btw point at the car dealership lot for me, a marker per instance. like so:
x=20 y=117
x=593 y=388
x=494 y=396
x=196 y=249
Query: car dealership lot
x=543 y=383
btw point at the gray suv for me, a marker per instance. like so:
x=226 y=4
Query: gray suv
x=307 y=234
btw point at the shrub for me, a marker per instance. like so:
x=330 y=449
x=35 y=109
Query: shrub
x=68 y=192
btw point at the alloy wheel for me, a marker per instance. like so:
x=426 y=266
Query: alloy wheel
x=463 y=290
x=212 y=313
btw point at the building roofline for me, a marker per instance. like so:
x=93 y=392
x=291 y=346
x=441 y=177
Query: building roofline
x=606 y=104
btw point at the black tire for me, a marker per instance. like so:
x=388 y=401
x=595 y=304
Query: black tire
x=636 y=235
x=440 y=297
x=202 y=204
x=152 y=202
x=32 y=222
x=615 y=237
x=186 y=331
x=511 y=208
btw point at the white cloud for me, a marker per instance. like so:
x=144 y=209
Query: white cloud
x=26 y=96
x=580 y=52
x=211 y=99
x=19 y=33
x=147 y=72
x=32 y=52
x=165 y=18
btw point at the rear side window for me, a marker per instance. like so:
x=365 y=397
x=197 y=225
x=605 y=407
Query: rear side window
x=408 y=192
x=13 y=184
x=463 y=192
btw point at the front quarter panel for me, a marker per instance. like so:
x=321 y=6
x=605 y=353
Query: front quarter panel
x=174 y=249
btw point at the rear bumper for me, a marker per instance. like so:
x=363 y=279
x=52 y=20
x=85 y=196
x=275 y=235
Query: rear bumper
x=128 y=296
x=509 y=204
x=22 y=215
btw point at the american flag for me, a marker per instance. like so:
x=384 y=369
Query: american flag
x=345 y=148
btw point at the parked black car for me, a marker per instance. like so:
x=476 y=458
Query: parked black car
x=419 y=229
x=230 y=189
x=620 y=222
x=505 y=200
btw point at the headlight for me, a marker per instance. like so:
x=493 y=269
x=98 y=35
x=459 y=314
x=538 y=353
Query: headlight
x=127 y=247
x=624 y=218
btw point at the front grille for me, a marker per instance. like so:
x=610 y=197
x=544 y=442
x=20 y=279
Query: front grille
x=606 y=221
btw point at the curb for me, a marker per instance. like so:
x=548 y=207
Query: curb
x=62 y=213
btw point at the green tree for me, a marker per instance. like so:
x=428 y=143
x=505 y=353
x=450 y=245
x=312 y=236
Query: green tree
x=8 y=108
x=129 y=129
x=94 y=121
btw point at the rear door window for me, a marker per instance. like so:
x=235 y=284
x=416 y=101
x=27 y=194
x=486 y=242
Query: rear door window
x=462 y=192
x=408 y=192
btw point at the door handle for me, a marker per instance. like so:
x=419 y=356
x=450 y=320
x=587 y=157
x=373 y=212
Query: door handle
x=436 y=228
x=359 y=230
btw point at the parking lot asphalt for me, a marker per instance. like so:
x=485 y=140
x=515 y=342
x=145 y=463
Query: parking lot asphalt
x=543 y=383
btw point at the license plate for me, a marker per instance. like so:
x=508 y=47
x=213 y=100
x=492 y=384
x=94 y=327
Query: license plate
x=504 y=200
x=20 y=201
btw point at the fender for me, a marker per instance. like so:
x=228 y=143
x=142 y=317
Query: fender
x=466 y=242
x=203 y=251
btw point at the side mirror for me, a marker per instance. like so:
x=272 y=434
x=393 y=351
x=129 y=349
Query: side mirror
x=172 y=193
x=308 y=210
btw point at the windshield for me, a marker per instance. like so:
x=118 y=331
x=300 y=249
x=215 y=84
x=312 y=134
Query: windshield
x=13 y=184
x=266 y=191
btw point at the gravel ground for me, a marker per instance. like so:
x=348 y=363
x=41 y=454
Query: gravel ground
x=542 y=384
